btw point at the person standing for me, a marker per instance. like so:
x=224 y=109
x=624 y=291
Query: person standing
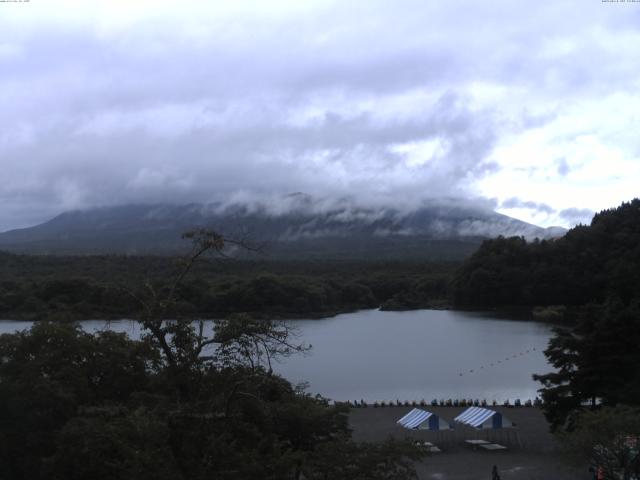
x=494 y=473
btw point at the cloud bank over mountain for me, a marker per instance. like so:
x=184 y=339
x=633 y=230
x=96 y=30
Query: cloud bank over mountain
x=390 y=103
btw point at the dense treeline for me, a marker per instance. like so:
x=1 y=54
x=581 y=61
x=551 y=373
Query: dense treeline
x=55 y=288
x=589 y=264
x=596 y=362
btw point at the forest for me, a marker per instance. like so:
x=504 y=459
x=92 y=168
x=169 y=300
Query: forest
x=590 y=264
x=81 y=287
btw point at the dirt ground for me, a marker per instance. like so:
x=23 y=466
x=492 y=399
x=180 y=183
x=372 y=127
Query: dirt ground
x=531 y=453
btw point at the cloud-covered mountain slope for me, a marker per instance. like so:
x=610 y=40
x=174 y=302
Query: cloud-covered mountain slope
x=305 y=228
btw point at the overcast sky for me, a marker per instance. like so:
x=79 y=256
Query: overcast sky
x=531 y=105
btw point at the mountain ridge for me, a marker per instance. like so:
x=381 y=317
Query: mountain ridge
x=302 y=227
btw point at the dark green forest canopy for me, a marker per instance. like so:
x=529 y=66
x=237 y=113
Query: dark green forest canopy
x=77 y=287
x=596 y=363
x=589 y=264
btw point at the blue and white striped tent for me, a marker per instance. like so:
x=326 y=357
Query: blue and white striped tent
x=423 y=420
x=478 y=417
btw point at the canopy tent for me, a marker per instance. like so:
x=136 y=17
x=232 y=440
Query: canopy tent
x=479 y=417
x=423 y=420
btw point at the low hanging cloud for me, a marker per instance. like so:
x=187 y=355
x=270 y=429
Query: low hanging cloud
x=212 y=156
x=577 y=215
x=390 y=104
x=515 y=202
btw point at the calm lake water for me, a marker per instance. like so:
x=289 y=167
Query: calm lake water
x=422 y=354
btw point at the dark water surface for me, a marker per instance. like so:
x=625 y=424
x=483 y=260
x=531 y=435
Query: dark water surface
x=413 y=355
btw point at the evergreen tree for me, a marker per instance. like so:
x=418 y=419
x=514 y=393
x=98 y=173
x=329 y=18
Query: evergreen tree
x=596 y=363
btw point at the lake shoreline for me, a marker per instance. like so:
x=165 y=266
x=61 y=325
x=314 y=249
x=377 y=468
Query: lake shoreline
x=33 y=317
x=507 y=313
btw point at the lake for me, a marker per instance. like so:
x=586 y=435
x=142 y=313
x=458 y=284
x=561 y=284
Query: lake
x=414 y=355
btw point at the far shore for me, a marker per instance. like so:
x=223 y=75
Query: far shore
x=507 y=313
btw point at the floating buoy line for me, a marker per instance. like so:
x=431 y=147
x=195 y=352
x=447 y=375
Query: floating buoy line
x=498 y=362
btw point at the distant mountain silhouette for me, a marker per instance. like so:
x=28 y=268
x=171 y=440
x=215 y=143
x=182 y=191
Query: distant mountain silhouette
x=301 y=227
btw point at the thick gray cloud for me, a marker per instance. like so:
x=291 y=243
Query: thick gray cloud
x=578 y=215
x=514 y=202
x=386 y=102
